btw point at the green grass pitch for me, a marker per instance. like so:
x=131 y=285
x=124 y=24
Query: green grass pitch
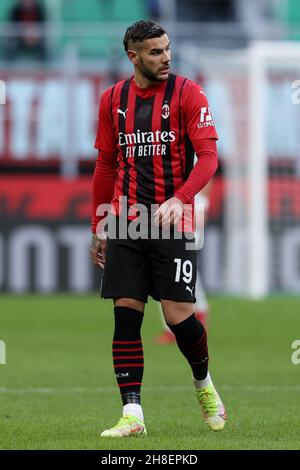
x=58 y=390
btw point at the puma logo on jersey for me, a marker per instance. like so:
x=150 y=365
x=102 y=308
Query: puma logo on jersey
x=190 y=289
x=122 y=112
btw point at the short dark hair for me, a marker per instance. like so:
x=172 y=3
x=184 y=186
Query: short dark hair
x=141 y=30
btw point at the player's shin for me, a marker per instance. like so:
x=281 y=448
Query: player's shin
x=192 y=342
x=128 y=359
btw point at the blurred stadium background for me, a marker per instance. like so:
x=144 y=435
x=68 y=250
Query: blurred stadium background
x=246 y=54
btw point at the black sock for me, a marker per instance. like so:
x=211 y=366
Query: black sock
x=192 y=342
x=128 y=354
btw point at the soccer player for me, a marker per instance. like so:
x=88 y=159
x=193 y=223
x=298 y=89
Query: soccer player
x=149 y=127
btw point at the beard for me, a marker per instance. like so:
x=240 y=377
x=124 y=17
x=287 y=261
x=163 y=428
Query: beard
x=151 y=76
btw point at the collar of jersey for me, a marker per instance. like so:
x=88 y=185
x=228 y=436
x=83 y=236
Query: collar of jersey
x=146 y=92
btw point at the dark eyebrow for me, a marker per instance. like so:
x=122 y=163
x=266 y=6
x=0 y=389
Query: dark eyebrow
x=159 y=50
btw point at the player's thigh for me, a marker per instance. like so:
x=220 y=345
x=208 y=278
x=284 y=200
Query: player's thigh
x=129 y=303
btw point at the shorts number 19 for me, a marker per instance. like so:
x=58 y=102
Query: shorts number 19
x=185 y=268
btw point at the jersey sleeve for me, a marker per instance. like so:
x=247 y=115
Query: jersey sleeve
x=202 y=172
x=198 y=118
x=105 y=138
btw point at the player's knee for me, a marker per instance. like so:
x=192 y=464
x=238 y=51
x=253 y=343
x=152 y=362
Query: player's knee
x=130 y=303
x=176 y=312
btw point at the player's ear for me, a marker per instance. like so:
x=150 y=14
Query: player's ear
x=132 y=56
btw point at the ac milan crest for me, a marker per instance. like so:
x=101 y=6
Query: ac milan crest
x=165 y=111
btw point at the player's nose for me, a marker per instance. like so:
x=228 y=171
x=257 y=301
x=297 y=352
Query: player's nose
x=166 y=57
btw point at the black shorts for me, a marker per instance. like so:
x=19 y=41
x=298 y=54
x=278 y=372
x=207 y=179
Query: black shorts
x=162 y=268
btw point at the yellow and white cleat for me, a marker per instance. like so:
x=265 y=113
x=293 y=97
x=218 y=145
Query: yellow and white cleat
x=213 y=410
x=127 y=426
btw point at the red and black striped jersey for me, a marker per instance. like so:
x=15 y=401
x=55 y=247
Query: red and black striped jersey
x=152 y=134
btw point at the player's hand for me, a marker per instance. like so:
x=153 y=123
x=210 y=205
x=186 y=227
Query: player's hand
x=97 y=251
x=169 y=213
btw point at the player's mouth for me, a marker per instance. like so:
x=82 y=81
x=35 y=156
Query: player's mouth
x=165 y=69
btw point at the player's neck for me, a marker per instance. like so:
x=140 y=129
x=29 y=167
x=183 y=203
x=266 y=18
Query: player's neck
x=143 y=82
